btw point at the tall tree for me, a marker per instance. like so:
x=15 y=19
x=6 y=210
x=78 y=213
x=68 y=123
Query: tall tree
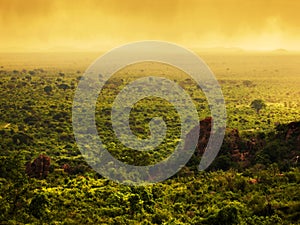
x=257 y=104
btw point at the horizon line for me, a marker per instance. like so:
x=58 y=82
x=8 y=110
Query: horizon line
x=195 y=49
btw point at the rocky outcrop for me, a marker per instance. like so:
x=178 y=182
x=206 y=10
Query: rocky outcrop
x=204 y=134
x=232 y=141
x=205 y=129
x=239 y=150
x=293 y=132
x=39 y=168
x=74 y=170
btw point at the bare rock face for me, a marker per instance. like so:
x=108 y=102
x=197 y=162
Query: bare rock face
x=74 y=170
x=204 y=134
x=39 y=168
x=294 y=132
x=205 y=128
x=67 y=168
x=232 y=143
x=243 y=151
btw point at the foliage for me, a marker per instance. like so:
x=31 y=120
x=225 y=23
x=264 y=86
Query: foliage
x=254 y=180
x=258 y=104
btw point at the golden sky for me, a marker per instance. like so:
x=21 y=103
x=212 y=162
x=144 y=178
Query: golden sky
x=62 y=25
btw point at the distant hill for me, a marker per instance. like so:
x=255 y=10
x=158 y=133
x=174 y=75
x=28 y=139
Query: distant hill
x=280 y=50
x=220 y=50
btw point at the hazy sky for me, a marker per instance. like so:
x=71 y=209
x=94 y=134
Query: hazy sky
x=103 y=24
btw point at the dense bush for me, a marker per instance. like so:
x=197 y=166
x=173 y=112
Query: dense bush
x=254 y=180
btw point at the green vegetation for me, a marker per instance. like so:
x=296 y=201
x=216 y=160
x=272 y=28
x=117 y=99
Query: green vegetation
x=258 y=104
x=254 y=180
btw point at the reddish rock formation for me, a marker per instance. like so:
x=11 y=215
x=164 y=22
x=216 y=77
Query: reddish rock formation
x=233 y=140
x=243 y=151
x=67 y=168
x=294 y=131
x=74 y=170
x=205 y=128
x=253 y=181
x=237 y=147
x=39 y=168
